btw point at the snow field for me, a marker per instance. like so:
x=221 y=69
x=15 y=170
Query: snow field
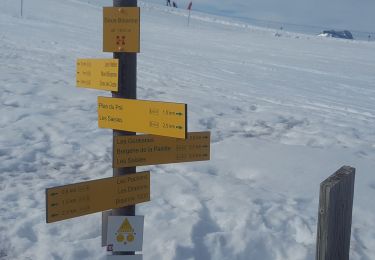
x=284 y=113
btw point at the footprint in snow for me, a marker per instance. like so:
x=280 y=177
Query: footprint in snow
x=208 y=123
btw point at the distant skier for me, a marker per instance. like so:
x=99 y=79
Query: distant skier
x=169 y=3
x=174 y=4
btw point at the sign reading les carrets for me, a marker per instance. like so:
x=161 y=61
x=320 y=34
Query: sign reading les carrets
x=98 y=74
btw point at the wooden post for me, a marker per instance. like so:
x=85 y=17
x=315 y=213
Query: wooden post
x=189 y=17
x=21 y=8
x=335 y=215
x=127 y=88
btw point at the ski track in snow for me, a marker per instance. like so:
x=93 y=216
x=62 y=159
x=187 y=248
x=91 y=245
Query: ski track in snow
x=284 y=113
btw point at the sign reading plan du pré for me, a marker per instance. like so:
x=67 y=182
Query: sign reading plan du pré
x=138 y=150
x=152 y=117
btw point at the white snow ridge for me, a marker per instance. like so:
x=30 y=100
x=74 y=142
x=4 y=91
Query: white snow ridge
x=284 y=114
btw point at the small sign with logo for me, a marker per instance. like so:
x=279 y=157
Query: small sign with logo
x=125 y=233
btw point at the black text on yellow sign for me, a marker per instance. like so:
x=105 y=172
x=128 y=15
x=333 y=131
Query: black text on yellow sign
x=141 y=150
x=150 y=117
x=98 y=74
x=83 y=198
x=121 y=29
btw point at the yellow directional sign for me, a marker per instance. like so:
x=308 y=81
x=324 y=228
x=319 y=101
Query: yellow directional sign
x=121 y=29
x=141 y=150
x=83 y=198
x=98 y=74
x=152 y=117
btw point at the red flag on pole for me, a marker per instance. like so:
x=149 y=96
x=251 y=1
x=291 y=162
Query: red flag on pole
x=190 y=4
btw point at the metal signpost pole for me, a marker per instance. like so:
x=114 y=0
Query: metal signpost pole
x=127 y=88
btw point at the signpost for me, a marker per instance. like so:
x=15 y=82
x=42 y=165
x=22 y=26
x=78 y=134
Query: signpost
x=121 y=29
x=83 y=198
x=159 y=118
x=98 y=74
x=127 y=89
x=165 y=125
x=151 y=149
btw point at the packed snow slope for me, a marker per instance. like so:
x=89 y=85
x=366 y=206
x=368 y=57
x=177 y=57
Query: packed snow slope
x=284 y=112
x=329 y=14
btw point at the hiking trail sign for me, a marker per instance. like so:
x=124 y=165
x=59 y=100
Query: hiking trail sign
x=125 y=233
x=152 y=117
x=98 y=74
x=141 y=150
x=165 y=139
x=121 y=29
x=83 y=198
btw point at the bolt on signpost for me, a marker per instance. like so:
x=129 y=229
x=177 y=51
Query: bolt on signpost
x=165 y=139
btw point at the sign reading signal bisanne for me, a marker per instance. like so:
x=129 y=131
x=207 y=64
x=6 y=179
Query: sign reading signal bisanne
x=141 y=150
x=98 y=74
x=121 y=29
x=151 y=117
x=83 y=198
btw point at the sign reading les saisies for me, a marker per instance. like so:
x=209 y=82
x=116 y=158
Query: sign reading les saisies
x=151 y=117
x=121 y=29
x=98 y=74
x=83 y=198
x=141 y=150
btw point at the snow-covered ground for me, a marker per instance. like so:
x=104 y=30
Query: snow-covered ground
x=313 y=16
x=284 y=112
